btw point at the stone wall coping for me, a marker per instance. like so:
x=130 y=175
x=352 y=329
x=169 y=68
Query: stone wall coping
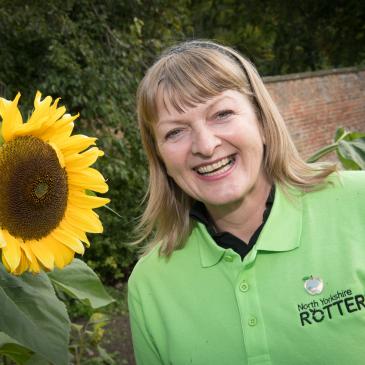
x=311 y=74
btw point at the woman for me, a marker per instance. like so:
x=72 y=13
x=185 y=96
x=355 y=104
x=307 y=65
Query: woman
x=256 y=256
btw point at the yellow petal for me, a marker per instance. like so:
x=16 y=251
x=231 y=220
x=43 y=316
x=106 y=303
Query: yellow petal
x=11 y=251
x=23 y=265
x=34 y=264
x=56 y=132
x=12 y=119
x=75 y=144
x=90 y=179
x=68 y=240
x=62 y=254
x=60 y=156
x=42 y=253
x=85 y=219
x=38 y=103
x=7 y=267
x=2 y=240
x=27 y=251
x=82 y=200
x=78 y=161
x=74 y=230
x=43 y=117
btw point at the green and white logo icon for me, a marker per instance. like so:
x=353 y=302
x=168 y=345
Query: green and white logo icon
x=313 y=285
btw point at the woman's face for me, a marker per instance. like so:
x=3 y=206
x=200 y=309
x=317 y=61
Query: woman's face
x=214 y=150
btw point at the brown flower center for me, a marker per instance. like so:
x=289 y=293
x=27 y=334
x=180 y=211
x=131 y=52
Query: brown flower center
x=33 y=188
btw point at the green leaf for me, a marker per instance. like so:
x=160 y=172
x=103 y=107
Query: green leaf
x=105 y=356
x=36 y=359
x=80 y=281
x=352 y=154
x=354 y=135
x=340 y=132
x=13 y=350
x=32 y=315
x=322 y=152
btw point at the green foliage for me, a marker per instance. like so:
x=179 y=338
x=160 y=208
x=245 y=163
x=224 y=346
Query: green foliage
x=86 y=339
x=34 y=323
x=33 y=317
x=94 y=53
x=284 y=37
x=11 y=349
x=349 y=147
x=79 y=281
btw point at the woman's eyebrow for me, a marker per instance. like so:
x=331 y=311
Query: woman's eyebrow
x=163 y=122
x=215 y=102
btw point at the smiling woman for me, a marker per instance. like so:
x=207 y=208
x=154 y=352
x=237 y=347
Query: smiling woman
x=240 y=228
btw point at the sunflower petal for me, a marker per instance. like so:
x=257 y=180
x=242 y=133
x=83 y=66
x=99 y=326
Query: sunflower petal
x=75 y=230
x=12 y=119
x=78 y=161
x=2 y=240
x=90 y=179
x=11 y=251
x=27 y=251
x=82 y=200
x=68 y=240
x=34 y=265
x=63 y=255
x=59 y=154
x=23 y=265
x=76 y=143
x=42 y=253
x=57 y=133
x=85 y=218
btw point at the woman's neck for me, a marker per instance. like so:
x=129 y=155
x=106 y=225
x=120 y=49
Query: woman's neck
x=242 y=218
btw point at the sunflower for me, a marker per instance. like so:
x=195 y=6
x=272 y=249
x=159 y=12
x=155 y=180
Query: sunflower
x=45 y=174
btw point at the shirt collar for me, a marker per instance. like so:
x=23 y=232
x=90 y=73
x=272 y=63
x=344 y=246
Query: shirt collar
x=281 y=232
x=283 y=228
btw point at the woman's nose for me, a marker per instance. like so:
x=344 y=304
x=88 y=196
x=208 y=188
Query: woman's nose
x=204 y=142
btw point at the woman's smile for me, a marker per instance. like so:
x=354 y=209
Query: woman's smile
x=216 y=169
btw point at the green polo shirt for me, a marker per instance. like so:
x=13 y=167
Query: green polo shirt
x=206 y=306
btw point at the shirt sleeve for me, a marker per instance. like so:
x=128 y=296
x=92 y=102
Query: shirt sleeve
x=145 y=351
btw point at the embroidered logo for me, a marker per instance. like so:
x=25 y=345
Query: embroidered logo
x=335 y=305
x=313 y=285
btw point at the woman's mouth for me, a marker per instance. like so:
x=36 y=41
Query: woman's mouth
x=216 y=168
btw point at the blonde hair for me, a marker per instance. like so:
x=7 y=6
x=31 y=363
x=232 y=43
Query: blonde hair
x=188 y=74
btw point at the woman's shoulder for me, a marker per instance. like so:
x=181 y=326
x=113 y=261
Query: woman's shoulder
x=344 y=190
x=154 y=267
x=145 y=264
x=347 y=183
x=349 y=179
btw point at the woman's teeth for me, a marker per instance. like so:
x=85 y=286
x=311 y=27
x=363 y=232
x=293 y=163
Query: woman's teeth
x=216 y=168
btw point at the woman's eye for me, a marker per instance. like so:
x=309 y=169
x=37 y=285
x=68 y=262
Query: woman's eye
x=223 y=114
x=172 y=134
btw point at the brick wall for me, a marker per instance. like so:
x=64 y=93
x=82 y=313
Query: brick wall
x=315 y=104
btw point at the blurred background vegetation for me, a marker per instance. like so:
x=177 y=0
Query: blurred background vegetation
x=93 y=54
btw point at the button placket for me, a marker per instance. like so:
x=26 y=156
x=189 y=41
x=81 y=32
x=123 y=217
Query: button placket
x=243 y=286
x=251 y=316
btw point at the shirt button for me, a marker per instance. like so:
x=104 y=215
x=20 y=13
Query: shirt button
x=252 y=321
x=244 y=286
x=228 y=258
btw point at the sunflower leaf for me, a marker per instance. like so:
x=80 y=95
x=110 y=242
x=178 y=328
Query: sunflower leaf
x=13 y=350
x=79 y=281
x=33 y=316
